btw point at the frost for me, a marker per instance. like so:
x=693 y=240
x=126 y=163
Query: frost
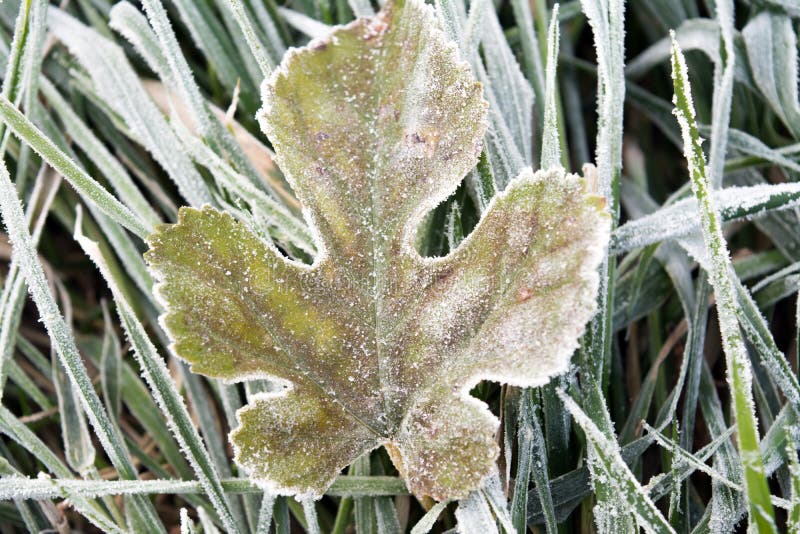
x=376 y=345
x=609 y=469
x=739 y=373
x=118 y=84
x=680 y=220
x=551 y=148
x=474 y=515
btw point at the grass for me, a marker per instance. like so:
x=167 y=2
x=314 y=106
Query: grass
x=680 y=413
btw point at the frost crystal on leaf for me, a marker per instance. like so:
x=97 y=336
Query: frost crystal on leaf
x=378 y=346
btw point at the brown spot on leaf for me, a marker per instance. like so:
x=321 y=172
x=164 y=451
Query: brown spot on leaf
x=375 y=26
x=523 y=293
x=386 y=111
x=443 y=275
x=415 y=138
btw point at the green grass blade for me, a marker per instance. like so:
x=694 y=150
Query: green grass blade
x=425 y=524
x=723 y=94
x=163 y=390
x=209 y=35
x=29 y=82
x=533 y=461
x=187 y=526
x=310 y=513
x=609 y=465
x=111 y=366
x=793 y=521
x=352 y=486
x=738 y=364
x=304 y=24
x=386 y=516
x=87 y=186
x=119 y=88
x=272 y=27
x=606 y=17
x=78 y=448
x=13 y=74
x=694 y=34
x=474 y=515
x=265 y=514
x=12 y=299
x=758 y=153
x=100 y=156
x=63 y=341
x=531 y=58
x=510 y=96
x=551 y=144
x=131 y=23
x=16 y=430
x=281 y=222
x=771 y=46
x=361 y=8
x=758 y=334
x=493 y=493
x=678 y=220
x=182 y=81
x=17 y=375
x=265 y=62
x=519 y=501
x=364 y=510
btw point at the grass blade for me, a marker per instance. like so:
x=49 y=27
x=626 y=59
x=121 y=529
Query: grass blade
x=76 y=176
x=118 y=86
x=265 y=514
x=606 y=17
x=608 y=464
x=734 y=203
x=551 y=147
x=109 y=165
x=425 y=524
x=474 y=515
x=16 y=430
x=78 y=449
x=264 y=61
x=738 y=364
x=163 y=389
x=723 y=94
x=772 y=50
x=64 y=343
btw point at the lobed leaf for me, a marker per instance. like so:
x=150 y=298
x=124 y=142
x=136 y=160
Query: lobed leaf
x=373 y=344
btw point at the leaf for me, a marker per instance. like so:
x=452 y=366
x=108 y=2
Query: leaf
x=772 y=50
x=374 y=344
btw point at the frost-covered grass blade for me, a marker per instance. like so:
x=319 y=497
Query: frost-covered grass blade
x=737 y=361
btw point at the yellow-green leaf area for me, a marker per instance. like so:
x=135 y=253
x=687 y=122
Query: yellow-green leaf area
x=377 y=346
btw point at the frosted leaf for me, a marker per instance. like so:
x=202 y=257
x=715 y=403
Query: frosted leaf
x=376 y=345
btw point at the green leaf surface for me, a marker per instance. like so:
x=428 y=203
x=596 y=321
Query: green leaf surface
x=373 y=345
